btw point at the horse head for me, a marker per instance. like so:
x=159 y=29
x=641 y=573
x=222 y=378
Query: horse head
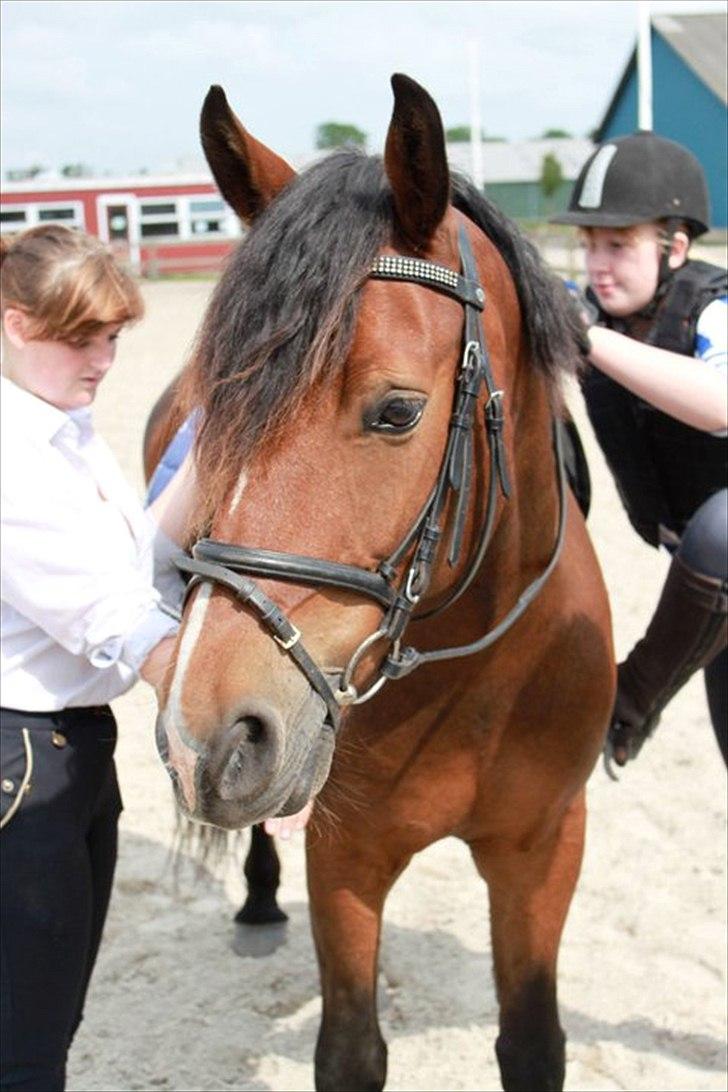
x=339 y=500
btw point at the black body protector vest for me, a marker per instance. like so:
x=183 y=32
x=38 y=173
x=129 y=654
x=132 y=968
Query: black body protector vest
x=664 y=470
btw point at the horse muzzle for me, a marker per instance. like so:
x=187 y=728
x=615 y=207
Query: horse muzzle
x=257 y=767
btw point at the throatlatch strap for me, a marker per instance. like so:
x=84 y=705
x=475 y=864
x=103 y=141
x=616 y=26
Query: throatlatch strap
x=396 y=667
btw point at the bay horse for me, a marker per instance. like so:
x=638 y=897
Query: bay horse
x=395 y=605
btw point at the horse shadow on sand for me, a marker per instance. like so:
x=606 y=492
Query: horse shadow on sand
x=174 y=1005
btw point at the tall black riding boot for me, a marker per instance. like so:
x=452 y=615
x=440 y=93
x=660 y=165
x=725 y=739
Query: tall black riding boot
x=687 y=631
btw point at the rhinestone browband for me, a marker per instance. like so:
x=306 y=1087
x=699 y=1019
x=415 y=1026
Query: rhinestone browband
x=395 y=267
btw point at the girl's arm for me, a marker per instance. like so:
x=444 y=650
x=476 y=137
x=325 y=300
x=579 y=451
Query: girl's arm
x=687 y=388
x=172 y=509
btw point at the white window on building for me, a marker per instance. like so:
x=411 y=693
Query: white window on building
x=208 y=216
x=18 y=217
x=13 y=219
x=159 y=219
x=186 y=218
x=58 y=214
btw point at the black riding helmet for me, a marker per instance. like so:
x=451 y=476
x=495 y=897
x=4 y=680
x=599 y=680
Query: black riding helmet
x=637 y=179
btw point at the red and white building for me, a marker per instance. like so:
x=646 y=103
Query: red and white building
x=163 y=224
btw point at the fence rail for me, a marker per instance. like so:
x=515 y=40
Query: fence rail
x=560 y=249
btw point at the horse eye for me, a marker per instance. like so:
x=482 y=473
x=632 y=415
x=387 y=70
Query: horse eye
x=396 y=415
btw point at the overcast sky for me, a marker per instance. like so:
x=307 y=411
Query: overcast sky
x=119 y=85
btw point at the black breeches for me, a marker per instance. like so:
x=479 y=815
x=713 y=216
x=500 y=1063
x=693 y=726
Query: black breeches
x=58 y=855
x=704 y=549
x=704 y=543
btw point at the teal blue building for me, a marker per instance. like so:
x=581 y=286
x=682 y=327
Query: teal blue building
x=688 y=99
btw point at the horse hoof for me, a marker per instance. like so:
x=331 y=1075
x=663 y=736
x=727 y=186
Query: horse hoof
x=260 y=912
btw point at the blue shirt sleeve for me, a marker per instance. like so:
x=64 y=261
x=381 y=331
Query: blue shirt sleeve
x=711 y=334
x=173 y=457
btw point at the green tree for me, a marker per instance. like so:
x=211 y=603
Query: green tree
x=75 y=170
x=336 y=134
x=555 y=134
x=21 y=174
x=551 y=175
x=460 y=134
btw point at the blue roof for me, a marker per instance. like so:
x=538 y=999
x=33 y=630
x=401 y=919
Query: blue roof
x=689 y=97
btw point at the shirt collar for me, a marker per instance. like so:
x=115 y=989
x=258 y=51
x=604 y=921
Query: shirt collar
x=81 y=418
x=41 y=417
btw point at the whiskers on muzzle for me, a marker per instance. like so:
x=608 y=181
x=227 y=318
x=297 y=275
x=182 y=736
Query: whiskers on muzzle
x=260 y=766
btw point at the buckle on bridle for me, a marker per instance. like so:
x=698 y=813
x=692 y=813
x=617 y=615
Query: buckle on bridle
x=415 y=577
x=494 y=405
x=288 y=642
x=471 y=356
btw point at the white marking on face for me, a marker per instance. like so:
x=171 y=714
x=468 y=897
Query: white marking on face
x=182 y=757
x=239 y=490
x=189 y=639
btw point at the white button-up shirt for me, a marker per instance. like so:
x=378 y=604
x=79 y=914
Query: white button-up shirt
x=79 y=609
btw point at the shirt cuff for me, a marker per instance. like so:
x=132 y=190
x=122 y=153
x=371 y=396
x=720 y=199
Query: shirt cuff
x=133 y=649
x=167 y=578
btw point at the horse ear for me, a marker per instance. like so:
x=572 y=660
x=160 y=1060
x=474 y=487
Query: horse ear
x=416 y=163
x=248 y=174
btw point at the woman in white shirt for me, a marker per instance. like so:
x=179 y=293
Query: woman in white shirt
x=81 y=621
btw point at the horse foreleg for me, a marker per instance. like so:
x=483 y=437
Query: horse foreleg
x=346 y=896
x=530 y=888
x=262 y=873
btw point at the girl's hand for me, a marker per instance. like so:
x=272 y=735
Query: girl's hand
x=285 y=825
x=157 y=664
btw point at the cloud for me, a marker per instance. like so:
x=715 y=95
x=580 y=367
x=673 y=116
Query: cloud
x=43 y=61
x=120 y=84
x=253 y=47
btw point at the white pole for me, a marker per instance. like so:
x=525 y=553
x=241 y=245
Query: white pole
x=644 y=66
x=476 y=144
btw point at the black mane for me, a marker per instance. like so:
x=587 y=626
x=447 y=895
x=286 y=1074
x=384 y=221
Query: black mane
x=554 y=334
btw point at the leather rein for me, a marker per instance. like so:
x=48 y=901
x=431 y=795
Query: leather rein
x=232 y=566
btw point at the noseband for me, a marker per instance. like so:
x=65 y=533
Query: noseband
x=231 y=566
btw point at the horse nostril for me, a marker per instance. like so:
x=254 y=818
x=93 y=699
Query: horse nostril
x=244 y=758
x=255 y=729
x=247 y=755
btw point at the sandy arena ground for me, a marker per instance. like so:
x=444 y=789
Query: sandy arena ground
x=642 y=978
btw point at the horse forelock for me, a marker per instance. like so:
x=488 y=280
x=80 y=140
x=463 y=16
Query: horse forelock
x=283 y=315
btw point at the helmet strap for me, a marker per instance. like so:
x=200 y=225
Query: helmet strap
x=667 y=234
x=665 y=272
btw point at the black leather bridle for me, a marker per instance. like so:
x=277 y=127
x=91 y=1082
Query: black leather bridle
x=232 y=566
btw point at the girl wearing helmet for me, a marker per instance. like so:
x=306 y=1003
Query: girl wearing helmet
x=656 y=396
